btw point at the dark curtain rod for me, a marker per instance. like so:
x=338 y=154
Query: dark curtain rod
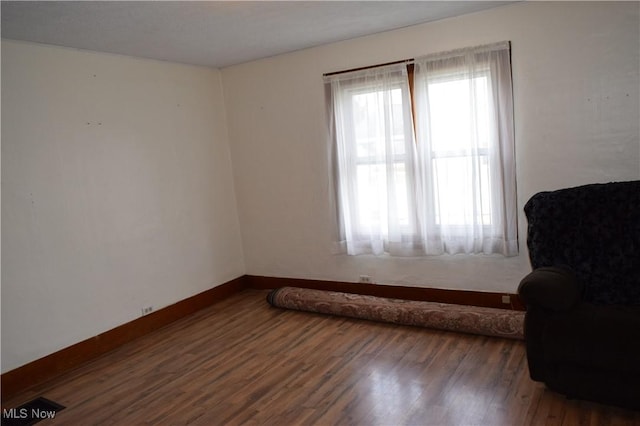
x=403 y=61
x=507 y=44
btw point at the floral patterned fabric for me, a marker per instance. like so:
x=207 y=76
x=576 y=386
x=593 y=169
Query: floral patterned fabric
x=594 y=230
x=467 y=319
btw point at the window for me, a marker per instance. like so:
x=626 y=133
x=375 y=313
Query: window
x=453 y=125
x=424 y=155
x=376 y=159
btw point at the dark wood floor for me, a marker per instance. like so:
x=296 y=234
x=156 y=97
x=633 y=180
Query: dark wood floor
x=243 y=362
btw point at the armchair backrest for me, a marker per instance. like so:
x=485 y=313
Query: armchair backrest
x=595 y=230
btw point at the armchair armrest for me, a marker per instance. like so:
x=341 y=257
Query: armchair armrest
x=553 y=288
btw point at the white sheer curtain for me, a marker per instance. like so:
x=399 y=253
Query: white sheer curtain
x=464 y=131
x=376 y=161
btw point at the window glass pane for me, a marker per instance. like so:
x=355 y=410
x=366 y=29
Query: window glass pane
x=372 y=200
x=397 y=120
x=371 y=110
x=459 y=110
x=374 y=195
x=455 y=204
x=400 y=195
x=366 y=122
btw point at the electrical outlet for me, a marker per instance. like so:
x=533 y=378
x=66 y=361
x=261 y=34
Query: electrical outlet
x=506 y=299
x=147 y=310
x=365 y=279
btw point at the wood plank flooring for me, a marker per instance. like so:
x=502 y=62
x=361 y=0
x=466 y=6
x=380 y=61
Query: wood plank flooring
x=244 y=362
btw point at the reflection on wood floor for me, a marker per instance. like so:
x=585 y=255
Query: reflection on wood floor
x=244 y=362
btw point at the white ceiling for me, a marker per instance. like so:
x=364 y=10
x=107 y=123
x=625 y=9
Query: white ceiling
x=214 y=33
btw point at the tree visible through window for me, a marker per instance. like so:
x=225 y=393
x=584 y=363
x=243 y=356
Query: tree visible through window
x=424 y=155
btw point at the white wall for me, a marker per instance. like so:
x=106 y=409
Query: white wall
x=117 y=193
x=576 y=83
